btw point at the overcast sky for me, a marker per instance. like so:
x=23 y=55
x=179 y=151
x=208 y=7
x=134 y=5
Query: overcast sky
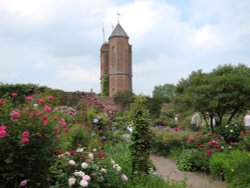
x=56 y=43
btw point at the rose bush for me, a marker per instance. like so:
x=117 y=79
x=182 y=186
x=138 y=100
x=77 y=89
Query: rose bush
x=28 y=134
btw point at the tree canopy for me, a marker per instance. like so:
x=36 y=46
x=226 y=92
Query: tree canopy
x=222 y=92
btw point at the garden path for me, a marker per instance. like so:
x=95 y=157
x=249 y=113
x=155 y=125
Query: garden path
x=168 y=170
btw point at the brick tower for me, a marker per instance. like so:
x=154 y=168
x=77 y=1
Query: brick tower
x=116 y=63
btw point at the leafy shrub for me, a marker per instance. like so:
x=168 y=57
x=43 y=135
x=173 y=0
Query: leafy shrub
x=165 y=140
x=230 y=132
x=76 y=136
x=151 y=181
x=27 y=140
x=193 y=160
x=141 y=137
x=233 y=167
x=244 y=143
x=184 y=162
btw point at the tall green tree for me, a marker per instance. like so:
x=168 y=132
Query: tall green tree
x=161 y=94
x=224 y=92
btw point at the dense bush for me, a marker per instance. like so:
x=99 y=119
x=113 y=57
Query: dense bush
x=27 y=139
x=141 y=137
x=230 y=132
x=193 y=160
x=167 y=140
x=232 y=166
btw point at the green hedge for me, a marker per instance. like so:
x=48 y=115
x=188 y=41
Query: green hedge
x=167 y=140
x=233 y=167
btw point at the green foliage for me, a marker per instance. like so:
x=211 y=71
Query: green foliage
x=161 y=94
x=123 y=98
x=166 y=90
x=224 y=91
x=105 y=91
x=193 y=160
x=141 y=136
x=233 y=167
x=230 y=132
x=151 y=181
x=76 y=136
x=166 y=140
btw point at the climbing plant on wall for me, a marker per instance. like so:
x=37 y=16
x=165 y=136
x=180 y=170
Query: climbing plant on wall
x=105 y=90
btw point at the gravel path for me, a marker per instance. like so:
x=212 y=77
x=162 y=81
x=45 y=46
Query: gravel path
x=168 y=170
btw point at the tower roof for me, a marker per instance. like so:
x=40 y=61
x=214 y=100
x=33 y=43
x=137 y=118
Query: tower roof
x=118 y=32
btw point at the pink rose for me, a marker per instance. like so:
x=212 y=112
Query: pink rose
x=14 y=94
x=63 y=122
x=25 y=134
x=86 y=177
x=32 y=114
x=41 y=101
x=47 y=108
x=51 y=98
x=23 y=182
x=1 y=102
x=29 y=98
x=44 y=118
x=3 y=133
x=209 y=152
x=16 y=114
x=25 y=141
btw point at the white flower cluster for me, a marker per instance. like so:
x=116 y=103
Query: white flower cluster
x=85 y=178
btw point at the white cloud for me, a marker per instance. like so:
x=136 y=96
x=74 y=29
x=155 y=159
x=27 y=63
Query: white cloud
x=57 y=43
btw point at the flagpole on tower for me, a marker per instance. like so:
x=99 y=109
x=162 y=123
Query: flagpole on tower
x=103 y=33
x=118 y=17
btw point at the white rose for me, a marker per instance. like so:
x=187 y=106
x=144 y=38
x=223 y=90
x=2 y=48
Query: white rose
x=83 y=183
x=124 y=177
x=84 y=165
x=71 y=181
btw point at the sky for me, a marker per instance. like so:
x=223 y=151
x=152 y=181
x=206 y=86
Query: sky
x=56 y=43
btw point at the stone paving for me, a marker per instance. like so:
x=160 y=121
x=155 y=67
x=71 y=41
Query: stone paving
x=169 y=171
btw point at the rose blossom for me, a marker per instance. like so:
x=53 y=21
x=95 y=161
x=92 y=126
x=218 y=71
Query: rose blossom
x=47 y=108
x=86 y=177
x=71 y=181
x=79 y=173
x=29 y=98
x=103 y=170
x=83 y=183
x=72 y=162
x=23 y=182
x=16 y=114
x=25 y=141
x=14 y=94
x=51 y=98
x=44 y=118
x=3 y=133
x=25 y=134
x=101 y=154
x=91 y=156
x=209 y=151
x=63 y=122
x=117 y=167
x=1 y=102
x=84 y=165
x=42 y=101
x=124 y=177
